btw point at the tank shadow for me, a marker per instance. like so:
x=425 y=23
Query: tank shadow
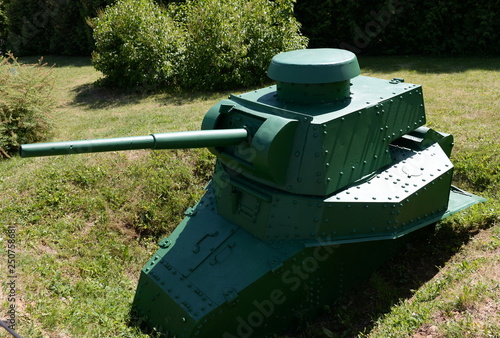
x=358 y=310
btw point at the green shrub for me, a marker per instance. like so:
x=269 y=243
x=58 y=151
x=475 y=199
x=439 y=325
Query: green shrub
x=231 y=42
x=136 y=44
x=200 y=45
x=25 y=104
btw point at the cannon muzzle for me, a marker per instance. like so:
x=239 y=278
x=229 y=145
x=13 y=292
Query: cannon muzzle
x=175 y=140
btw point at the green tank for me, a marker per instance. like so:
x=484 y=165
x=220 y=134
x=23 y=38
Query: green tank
x=319 y=179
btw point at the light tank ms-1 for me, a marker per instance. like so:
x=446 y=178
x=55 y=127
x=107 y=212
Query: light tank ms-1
x=318 y=180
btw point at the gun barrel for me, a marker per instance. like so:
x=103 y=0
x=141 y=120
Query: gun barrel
x=175 y=140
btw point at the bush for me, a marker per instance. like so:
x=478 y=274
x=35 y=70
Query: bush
x=25 y=104
x=136 y=44
x=204 y=44
x=231 y=42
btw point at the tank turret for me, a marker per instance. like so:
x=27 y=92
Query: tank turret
x=318 y=180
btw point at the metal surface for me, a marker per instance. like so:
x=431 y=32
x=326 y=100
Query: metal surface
x=318 y=181
x=313 y=76
x=177 y=140
x=314 y=66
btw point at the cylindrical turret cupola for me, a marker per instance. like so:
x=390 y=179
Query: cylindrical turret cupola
x=314 y=76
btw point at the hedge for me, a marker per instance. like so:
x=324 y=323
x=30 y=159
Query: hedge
x=445 y=27
x=40 y=27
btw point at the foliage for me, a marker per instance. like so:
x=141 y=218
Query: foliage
x=230 y=43
x=136 y=44
x=39 y=26
x=3 y=26
x=206 y=44
x=325 y=23
x=397 y=27
x=25 y=104
x=371 y=26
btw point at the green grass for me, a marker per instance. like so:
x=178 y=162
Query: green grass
x=86 y=224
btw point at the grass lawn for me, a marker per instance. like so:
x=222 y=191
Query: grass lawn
x=85 y=225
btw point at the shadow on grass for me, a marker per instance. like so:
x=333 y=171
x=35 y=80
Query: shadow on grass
x=93 y=96
x=96 y=96
x=59 y=61
x=358 y=310
x=427 y=65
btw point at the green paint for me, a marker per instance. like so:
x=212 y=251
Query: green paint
x=318 y=181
